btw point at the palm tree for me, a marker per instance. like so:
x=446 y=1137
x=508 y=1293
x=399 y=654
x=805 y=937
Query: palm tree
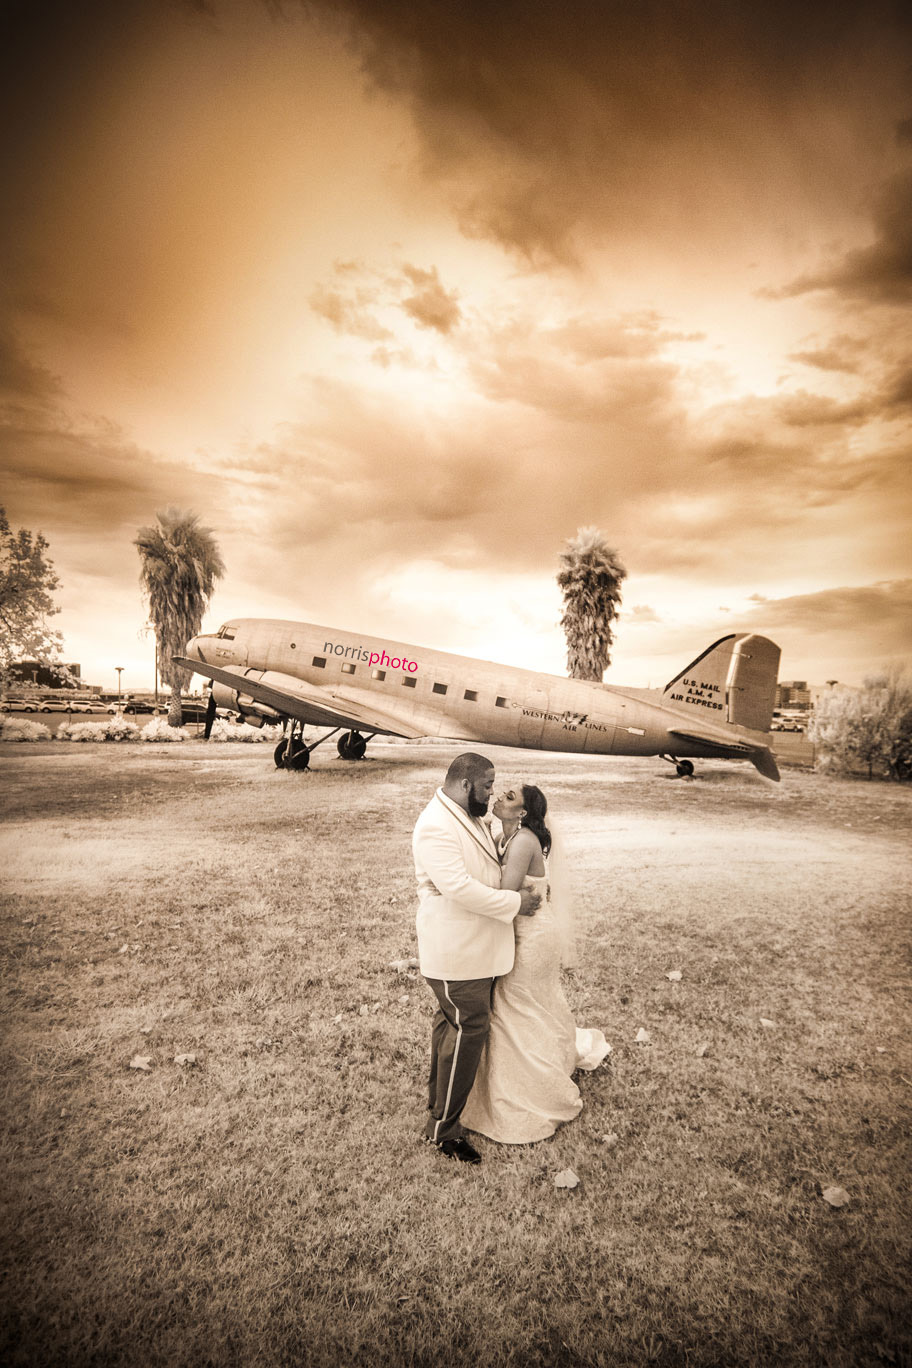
x=590 y=580
x=180 y=563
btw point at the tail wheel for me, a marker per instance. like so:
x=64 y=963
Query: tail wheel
x=351 y=746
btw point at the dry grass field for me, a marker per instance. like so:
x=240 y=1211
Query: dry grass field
x=272 y=1203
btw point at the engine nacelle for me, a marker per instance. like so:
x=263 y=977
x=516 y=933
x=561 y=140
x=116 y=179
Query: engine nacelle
x=252 y=712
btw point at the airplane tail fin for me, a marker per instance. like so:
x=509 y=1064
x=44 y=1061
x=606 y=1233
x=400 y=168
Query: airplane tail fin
x=733 y=681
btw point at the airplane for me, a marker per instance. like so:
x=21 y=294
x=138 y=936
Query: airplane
x=300 y=674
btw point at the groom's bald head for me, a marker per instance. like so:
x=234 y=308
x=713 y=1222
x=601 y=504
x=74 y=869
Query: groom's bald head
x=469 y=782
x=468 y=766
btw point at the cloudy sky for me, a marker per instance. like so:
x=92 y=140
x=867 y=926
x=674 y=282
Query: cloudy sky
x=398 y=294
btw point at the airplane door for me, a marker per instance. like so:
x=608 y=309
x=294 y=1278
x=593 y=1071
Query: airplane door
x=533 y=717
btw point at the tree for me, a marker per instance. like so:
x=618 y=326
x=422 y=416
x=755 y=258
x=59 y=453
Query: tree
x=27 y=584
x=180 y=564
x=869 y=727
x=590 y=580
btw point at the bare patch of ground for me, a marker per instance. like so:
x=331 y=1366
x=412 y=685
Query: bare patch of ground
x=272 y=1203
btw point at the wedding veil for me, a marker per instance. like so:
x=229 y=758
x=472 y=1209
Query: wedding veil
x=562 y=899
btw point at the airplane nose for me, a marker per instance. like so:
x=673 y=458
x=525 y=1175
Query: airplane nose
x=192 y=649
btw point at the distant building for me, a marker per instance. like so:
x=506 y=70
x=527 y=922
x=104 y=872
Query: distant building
x=793 y=693
x=43 y=676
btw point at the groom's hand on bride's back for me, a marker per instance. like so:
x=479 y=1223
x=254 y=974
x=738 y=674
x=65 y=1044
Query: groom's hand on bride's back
x=529 y=902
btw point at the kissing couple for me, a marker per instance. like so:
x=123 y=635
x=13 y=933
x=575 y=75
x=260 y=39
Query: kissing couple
x=494 y=927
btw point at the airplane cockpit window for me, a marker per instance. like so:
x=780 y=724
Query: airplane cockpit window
x=227 y=632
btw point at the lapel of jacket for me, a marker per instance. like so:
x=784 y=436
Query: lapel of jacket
x=479 y=833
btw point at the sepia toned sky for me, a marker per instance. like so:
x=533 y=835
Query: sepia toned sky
x=397 y=295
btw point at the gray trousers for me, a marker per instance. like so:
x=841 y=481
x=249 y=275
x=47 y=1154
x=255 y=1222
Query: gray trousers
x=457 y=1040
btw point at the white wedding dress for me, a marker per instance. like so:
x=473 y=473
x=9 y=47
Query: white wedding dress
x=524 y=1087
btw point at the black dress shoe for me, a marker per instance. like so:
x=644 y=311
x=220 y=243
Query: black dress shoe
x=458 y=1149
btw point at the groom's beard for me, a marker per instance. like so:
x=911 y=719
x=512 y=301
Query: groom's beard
x=477 y=808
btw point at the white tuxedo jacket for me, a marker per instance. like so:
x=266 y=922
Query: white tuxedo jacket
x=465 y=919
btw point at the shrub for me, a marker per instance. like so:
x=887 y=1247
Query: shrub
x=870 y=727
x=159 y=730
x=222 y=730
x=116 y=728
x=19 y=729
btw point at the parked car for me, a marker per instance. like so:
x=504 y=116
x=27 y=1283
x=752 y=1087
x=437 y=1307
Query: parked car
x=18 y=705
x=133 y=705
x=58 y=705
x=192 y=710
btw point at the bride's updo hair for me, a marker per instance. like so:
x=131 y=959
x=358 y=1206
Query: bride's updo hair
x=536 y=805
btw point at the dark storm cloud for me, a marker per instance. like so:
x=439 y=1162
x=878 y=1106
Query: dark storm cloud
x=887 y=604
x=841 y=354
x=358 y=293
x=349 y=315
x=593 y=338
x=23 y=382
x=817 y=410
x=68 y=476
x=881 y=272
x=589 y=369
x=896 y=395
x=64 y=471
x=431 y=306
x=868 y=623
x=540 y=119
x=858 y=629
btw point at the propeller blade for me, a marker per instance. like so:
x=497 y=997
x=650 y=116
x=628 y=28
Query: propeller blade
x=210 y=716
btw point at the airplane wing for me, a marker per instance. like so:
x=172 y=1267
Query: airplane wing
x=309 y=703
x=761 y=756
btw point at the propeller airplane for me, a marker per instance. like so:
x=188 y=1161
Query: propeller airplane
x=299 y=674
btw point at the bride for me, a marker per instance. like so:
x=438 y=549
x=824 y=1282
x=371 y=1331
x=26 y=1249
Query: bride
x=524 y=1087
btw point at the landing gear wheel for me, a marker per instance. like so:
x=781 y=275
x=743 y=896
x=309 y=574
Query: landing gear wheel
x=351 y=746
x=685 y=769
x=297 y=758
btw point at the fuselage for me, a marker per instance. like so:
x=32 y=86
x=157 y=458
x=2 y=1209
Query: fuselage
x=435 y=693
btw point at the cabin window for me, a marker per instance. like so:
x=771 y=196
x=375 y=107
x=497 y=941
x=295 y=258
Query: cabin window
x=348 y=668
x=439 y=688
x=501 y=703
x=378 y=674
x=471 y=696
x=320 y=662
x=410 y=683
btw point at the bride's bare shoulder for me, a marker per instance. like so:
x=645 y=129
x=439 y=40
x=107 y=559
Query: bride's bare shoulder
x=531 y=850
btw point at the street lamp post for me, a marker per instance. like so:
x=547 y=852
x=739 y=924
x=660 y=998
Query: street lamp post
x=120 y=670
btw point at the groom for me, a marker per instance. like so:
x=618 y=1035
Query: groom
x=465 y=938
